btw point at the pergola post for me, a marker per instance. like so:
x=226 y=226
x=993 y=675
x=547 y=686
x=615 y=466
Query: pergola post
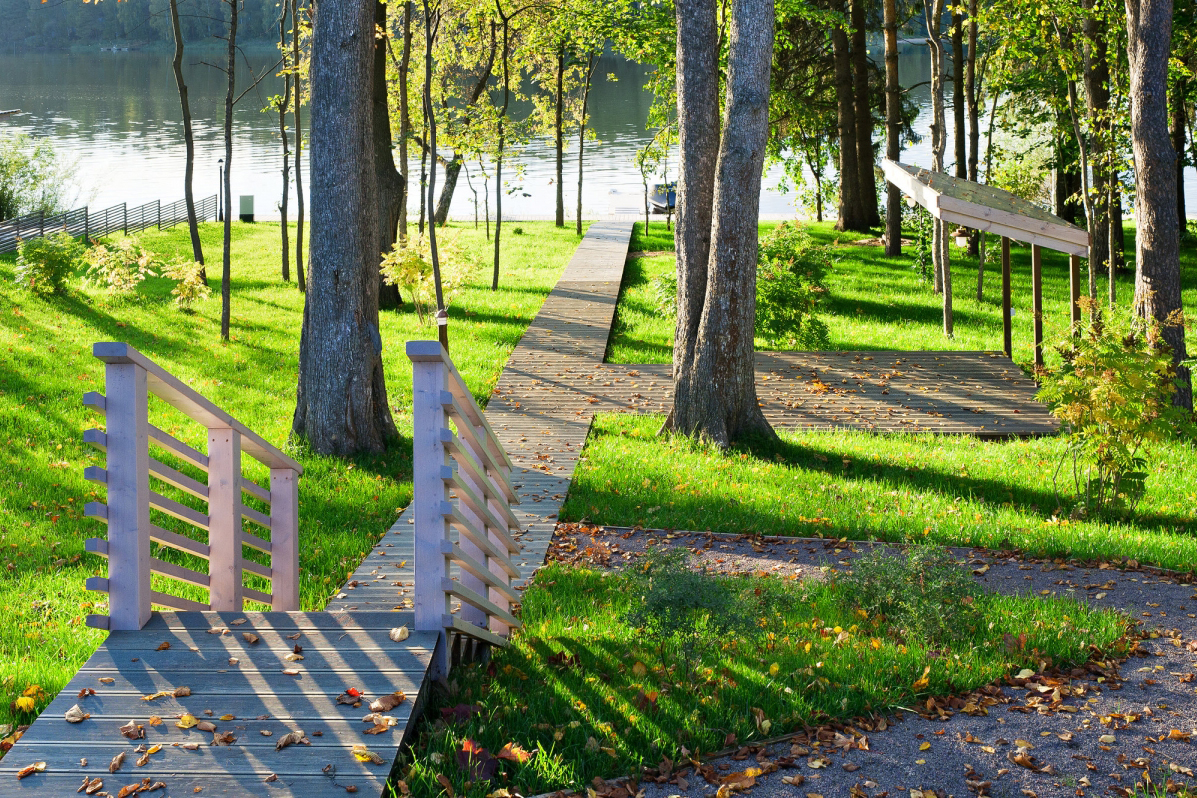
x=1007 y=332
x=1037 y=301
x=947 y=281
x=1074 y=292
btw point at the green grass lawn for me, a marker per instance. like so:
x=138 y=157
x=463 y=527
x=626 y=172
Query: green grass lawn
x=590 y=695
x=863 y=486
x=875 y=302
x=345 y=505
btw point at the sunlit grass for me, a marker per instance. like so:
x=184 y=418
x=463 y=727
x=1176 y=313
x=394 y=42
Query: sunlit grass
x=345 y=505
x=627 y=702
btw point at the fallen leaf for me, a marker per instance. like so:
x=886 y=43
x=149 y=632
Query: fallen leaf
x=76 y=714
x=133 y=730
x=205 y=726
x=1107 y=739
x=106 y=680
x=388 y=702
x=925 y=747
x=447 y=785
x=399 y=634
x=116 y=762
x=237 y=622
x=514 y=753
x=227 y=717
x=29 y=770
x=293 y=657
x=84 y=693
x=290 y=671
x=291 y=738
x=249 y=637
x=923 y=681
x=155 y=720
x=163 y=646
x=91 y=787
x=187 y=721
x=223 y=738
x=363 y=754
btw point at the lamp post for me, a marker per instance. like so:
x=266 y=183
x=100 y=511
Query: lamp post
x=220 y=191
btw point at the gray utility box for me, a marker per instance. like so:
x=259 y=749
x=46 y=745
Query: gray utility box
x=247 y=207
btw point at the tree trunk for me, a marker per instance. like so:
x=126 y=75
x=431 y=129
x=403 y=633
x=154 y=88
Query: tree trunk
x=865 y=156
x=282 y=132
x=452 y=172
x=388 y=182
x=971 y=93
x=197 y=249
x=301 y=280
x=582 y=134
x=959 y=131
x=932 y=14
x=431 y=24
x=1179 y=145
x=404 y=113
x=715 y=390
x=698 y=142
x=1157 y=234
x=341 y=404
x=559 y=139
x=893 y=130
x=229 y=99
x=494 y=283
x=851 y=214
x=1096 y=74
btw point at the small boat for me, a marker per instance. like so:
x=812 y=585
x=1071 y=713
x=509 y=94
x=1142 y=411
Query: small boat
x=664 y=197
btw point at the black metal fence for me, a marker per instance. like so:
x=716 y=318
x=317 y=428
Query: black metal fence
x=91 y=224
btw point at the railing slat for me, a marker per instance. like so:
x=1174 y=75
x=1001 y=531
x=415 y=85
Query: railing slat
x=177 y=603
x=254 y=489
x=250 y=514
x=179 y=480
x=470 y=630
x=476 y=599
x=466 y=460
x=177 y=510
x=174 y=540
x=255 y=542
x=472 y=566
x=179 y=572
x=258 y=595
x=478 y=537
x=170 y=442
x=284 y=539
x=477 y=505
x=469 y=434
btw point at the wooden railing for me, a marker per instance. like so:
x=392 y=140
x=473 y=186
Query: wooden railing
x=470 y=463
x=130 y=378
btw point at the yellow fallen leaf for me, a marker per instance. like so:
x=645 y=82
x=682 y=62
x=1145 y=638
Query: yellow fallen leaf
x=187 y=721
x=925 y=747
x=1023 y=744
x=639 y=669
x=1107 y=738
x=363 y=754
x=923 y=681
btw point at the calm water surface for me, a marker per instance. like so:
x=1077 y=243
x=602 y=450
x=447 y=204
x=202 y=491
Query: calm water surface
x=117 y=114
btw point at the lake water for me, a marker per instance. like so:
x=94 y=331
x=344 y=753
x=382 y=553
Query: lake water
x=117 y=114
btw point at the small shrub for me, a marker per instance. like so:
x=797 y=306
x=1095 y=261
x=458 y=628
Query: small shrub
x=44 y=264
x=1113 y=394
x=191 y=286
x=679 y=606
x=789 y=288
x=922 y=594
x=665 y=293
x=517 y=231
x=919 y=221
x=119 y=267
x=409 y=266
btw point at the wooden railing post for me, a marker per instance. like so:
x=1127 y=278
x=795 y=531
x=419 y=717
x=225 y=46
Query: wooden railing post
x=1007 y=343
x=224 y=519
x=1037 y=301
x=497 y=504
x=430 y=491
x=128 y=478
x=284 y=539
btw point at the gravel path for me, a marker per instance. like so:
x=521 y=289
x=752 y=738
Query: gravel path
x=1148 y=705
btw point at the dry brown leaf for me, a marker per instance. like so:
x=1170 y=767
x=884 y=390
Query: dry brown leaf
x=76 y=714
x=133 y=730
x=266 y=732
x=29 y=770
x=446 y=785
x=163 y=646
x=399 y=634
x=234 y=661
x=206 y=726
x=293 y=657
x=85 y=692
x=223 y=738
x=290 y=671
x=378 y=728
x=116 y=762
x=181 y=692
x=249 y=637
x=363 y=754
x=388 y=702
x=91 y=787
x=514 y=753
x=143 y=760
x=106 y=680
x=291 y=738
x=155 y=720
x=237 y=622
x=226 y=717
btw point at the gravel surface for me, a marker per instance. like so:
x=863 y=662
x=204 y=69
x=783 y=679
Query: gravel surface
x=1148 y=704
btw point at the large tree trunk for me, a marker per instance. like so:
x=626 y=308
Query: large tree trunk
x=229 y=99
x=715 y=391
x=301 y=280
x=341 y=404
x=404 y=113
x=1096 y=75
x=283 y=102
x=559 y=139
x=445 y=199
x=389 y=183
x=197 y=249
x=1157 y=234
x=698 y=142
x=893 y=129
x=851 y=213
x=959 y=131
x=865 y=156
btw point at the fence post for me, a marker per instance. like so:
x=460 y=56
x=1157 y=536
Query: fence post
x=158 y=206
x=224 y=520
x=125 y=213
x=128 y=479
x=284 y=539
x=86 y=226
x=497 y=504
x=429 y=491
x=41 y=222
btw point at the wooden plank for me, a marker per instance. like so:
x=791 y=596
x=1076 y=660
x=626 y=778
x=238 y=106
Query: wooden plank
x=256 y=490
x=175 y=602
x=476 y=632
x=224 y=524
x=179 y=395
x=208 y=784
x=477 y=569
x=466 y=461
x=178 y=510
x=485 y=604
x=281 y=622
x=180 y=449
x=269 y=660
x=284 y=539
x=177 y=479
x=1037 y=301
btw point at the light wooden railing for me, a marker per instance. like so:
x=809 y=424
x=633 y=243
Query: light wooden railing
x=130 y=377
x=472 y=465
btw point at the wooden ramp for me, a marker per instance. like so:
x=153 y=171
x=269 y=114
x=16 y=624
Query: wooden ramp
x=250 y=690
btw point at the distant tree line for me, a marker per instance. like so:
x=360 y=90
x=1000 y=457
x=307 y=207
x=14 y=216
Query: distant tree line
x=62 y=25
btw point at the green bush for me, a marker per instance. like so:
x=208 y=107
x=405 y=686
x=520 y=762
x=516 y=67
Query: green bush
x=665 y=293
x=789 y=288
x=921 y=594
x=120 y=266
x=191 y=285
x=33 y=177
x=44 y=264
x=1113 y=394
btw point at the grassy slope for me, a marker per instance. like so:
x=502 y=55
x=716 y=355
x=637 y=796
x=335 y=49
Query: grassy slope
x=920 y=488
x=877 y=302
x=554 y=707
x=345 y=506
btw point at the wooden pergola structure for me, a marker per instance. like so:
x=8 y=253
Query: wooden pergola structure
x=991 y=210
